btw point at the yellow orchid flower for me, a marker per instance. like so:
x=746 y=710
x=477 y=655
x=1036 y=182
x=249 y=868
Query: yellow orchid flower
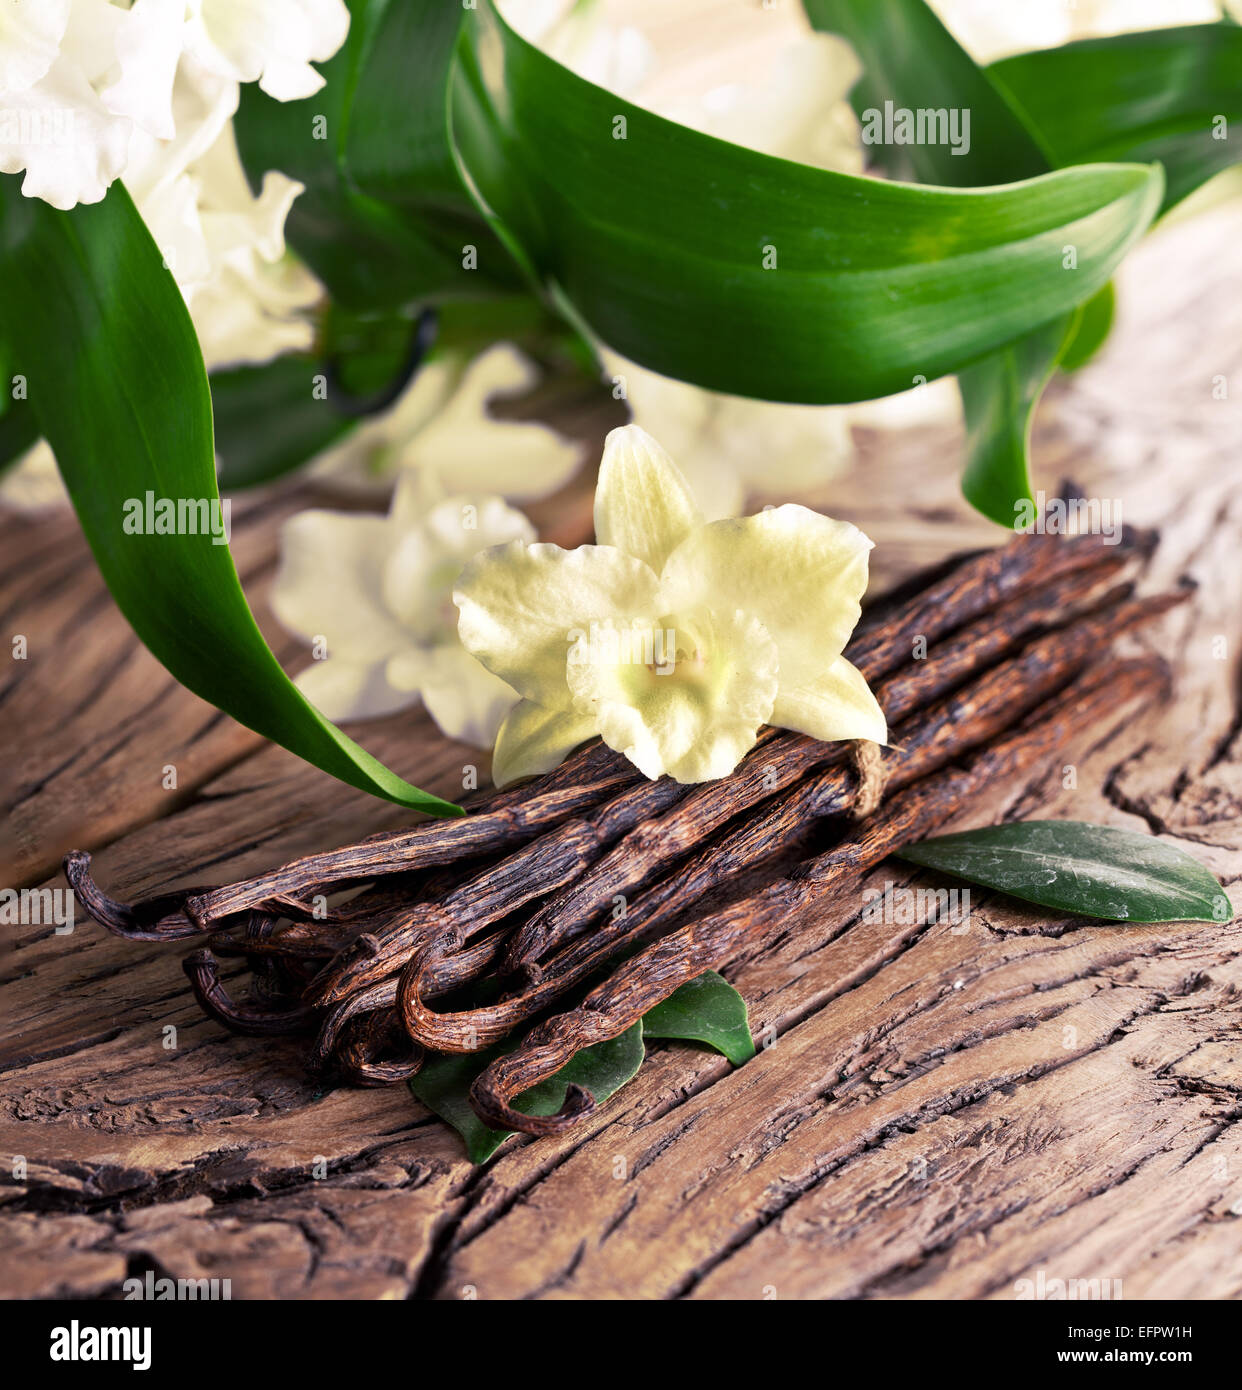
x=673 y=639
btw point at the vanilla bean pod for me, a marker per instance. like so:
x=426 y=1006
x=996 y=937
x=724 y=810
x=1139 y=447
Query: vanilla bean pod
x=585 y=779
x=829 y=880
x=448 y=973
x=641 y=856
x=204 y=976
x=507 y=817
x=929 y=740
x=552 y=860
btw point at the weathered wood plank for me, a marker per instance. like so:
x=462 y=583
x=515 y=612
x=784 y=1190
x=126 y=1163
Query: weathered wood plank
x=942 y=1113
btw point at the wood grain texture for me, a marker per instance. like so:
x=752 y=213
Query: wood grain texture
x=936 y=1112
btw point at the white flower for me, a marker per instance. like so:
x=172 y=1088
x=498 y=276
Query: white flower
x=248 y=299
x=440 y=429
x=80 y=79
x=572 y=31
x=672 y=639
x=377 y=592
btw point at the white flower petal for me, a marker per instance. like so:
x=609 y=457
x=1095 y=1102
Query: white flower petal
x=269 y=41
x=30 y=38
x=342 y=690
x=472 y=451
x=838 y=705
x=464 y=698
x=801 y=574
x=643 y=505
x=148 y=48
x=694 y=718
x=430 y=553
x=536 y=738
x=522 y=606
x=60 y=133
x=330 y=584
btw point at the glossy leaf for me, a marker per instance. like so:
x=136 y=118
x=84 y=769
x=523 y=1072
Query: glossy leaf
x=443 y=1085
x=707 y=1010
x=1173 y=95
x=1095 y=322
x=1073 y=866
x=385 y=218
x=911 y=60
x=999 y=396
x=753 y=275
x=117 y=383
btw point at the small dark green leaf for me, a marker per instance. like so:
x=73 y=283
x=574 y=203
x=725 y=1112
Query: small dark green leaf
x=1073 y=866
x=707 y=1010
x=443 y=1085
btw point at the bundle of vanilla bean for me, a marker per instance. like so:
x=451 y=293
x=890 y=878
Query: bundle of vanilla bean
x=985 y=670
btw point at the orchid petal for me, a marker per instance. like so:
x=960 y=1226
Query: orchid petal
x=643 y=504
x=522 y=606
x=693 y=717
x=330 y=584
x=837 y=705
x=536 y=738
x=801 y=574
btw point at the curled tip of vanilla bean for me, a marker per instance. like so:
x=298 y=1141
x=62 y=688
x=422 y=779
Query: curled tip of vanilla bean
x=157 y=919
x=492 y=1104
x=204 y=976
x=360 y=1056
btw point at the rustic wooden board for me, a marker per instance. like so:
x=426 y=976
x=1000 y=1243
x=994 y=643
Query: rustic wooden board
x=940 y=1113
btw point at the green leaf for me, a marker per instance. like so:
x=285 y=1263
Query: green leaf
x=1159 y=95
x=911 y=59
x=707 y=1010
x=1095 y=321
x=95 y=322
x=443 y=1085
x=1077 y=867
x=385 y=217
x=19 y=431
x=268 y=422
x=663 y=242
x=999 y=396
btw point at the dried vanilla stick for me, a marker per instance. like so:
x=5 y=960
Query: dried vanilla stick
x=928 y=742
x=829 y=880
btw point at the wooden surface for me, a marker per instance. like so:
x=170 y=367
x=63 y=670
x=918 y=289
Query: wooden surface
x=940 y=1113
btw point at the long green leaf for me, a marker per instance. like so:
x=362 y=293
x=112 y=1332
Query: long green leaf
x=1074 y=866
x=999 y=395
x=1173 y=95
x=116 y=380
x=757 y=276
x=911 y=60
